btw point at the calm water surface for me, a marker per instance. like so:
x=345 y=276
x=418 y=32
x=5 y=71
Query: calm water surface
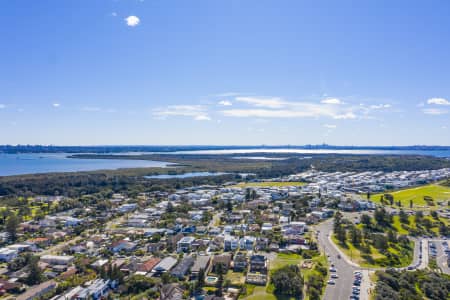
x=17 y=164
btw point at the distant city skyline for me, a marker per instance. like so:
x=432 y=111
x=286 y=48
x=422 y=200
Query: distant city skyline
x=144 y=72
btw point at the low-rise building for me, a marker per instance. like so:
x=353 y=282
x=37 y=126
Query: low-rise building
x=185 y=244
x=182 y=268
x=7 y=254
x=57 y=259
x=165 y=265
x=202 y=262
x=37 y=291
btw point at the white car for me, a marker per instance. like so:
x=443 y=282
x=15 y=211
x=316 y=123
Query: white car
x=333 y=269
x=331 y=282
x=334 y=276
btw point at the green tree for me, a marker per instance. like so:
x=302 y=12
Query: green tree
x=337 y=220
x=435 y=215
x=200 y=280
x=341 y=234
x=12 y=223
x=355 y=236
x=366 y=220
x=34 y=272
x=403 y=217
x=288 y=281
x=419 y=217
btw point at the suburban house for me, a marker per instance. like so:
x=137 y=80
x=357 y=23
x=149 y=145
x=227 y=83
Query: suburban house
x=185 y=244
x=57 y=259
x=7 y=254
x=202 y=262
x=224 y=260
x=171 y=291
x=247 y=243
x=38 y=290
x=258 y=264
x=239 y=262
x=165 y=265
x=182 y=268
x=122 y=245
x=148 y=265
x=230 y=243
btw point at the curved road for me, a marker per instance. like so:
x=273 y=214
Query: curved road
x=345 y=268
x=343 y=287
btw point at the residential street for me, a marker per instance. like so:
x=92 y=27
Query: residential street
x=441 y=258
x=345 y=267
x=343 y=287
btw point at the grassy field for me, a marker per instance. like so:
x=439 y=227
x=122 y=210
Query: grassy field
x=284 y=259
x=437 y=192
x=397 y=225
x=375 y=258
x=269 y=184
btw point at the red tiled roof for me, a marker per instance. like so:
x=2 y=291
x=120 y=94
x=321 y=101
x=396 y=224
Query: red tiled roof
x=149 y=264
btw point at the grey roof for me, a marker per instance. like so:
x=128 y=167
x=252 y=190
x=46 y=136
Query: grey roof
x=201 y=263
x=183 y=266
x=166 y=264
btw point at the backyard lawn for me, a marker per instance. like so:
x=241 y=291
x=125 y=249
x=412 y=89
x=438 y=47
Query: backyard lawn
x=284 y=259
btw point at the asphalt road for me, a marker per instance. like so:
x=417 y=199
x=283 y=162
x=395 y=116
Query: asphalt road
x=441 y=258
x=343 y=287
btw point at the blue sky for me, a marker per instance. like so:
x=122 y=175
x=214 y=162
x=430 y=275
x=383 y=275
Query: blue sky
x=224 y=72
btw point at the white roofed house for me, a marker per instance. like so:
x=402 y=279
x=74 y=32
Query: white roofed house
x=247 y=243
x=57 y=259
x=7 y=254
x=185 y=244
x=174 y=197
x=122 y=245
x=165 y=265
x=230 y=243
x=266 y=227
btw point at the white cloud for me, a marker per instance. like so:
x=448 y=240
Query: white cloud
x=275 y=107
x=114 y=14
x=284 y=113
x=438 y=101
x=56 y=105
x=225 y=103
x=330 y=126
x=273 y=102
x=331 y=101
x=380 y=106
x=202 y=118
x=197 y=112
x=2 y=106
x=132 y=21
x=434 y=111
x=345 y=116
